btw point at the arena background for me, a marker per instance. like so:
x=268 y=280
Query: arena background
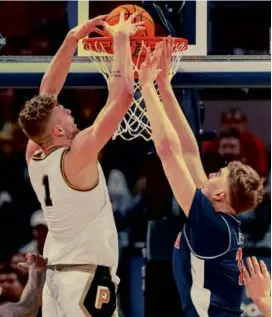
x=147 y=216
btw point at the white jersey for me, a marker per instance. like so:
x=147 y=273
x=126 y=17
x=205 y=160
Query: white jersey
x=81 y=225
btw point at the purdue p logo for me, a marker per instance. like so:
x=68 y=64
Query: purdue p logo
x=102 y=296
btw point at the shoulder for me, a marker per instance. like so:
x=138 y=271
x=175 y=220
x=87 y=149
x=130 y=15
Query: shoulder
x=201 y=203
x=31 y=149
x=210 y=240
x=55 y=153
x=38 y=155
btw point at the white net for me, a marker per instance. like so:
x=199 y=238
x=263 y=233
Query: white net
x=135 y=123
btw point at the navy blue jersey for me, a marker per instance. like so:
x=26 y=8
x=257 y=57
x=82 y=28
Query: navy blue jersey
x=207 y=262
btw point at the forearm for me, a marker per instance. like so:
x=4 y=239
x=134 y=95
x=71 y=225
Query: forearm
x=30 y=301
x=108 y=120
x=162 y=129
x=33 y=290
x=172 y=108
x=58 y=69
x=264 y=304
x=120 y=97
x=185 y=134
x=119 y=100
x=122 y=68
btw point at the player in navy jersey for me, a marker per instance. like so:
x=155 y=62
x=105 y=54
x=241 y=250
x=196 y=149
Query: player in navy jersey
x=207 y=258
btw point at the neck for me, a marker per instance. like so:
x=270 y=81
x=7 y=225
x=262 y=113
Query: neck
x=223 y=207
x=51 y=146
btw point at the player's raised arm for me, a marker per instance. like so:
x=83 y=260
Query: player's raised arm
x=88 y=143
x=165 y=137
x=186 y=137
x=30 y=301
x=56 y=74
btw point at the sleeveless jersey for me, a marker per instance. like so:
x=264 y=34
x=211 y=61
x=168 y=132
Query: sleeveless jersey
x=81 y=224
x=207 y=262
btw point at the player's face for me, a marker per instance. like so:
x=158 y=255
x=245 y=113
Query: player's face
x=64 y=123
x=216 y=187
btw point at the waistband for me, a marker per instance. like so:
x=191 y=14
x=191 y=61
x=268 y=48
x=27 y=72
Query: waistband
x=88 y=268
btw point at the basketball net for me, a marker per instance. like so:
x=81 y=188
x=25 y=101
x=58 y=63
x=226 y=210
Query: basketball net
x=135 y=123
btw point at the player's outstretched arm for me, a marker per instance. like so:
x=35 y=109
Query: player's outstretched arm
x=186 y=137
x=59 y=67
x=30 y=301
x=88 y=143
x=56 y=74
x=165 y=137
x=258 y=284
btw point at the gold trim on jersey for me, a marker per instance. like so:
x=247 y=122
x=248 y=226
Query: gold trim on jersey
x=36 y=157
x=66 y=180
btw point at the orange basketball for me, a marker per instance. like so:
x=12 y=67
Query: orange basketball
x=113 y=18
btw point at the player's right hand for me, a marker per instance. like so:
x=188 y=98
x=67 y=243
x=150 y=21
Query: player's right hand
x=34 y=262
x=83 y=30
x=127 y=27
x=165 y=60
x=149 y=68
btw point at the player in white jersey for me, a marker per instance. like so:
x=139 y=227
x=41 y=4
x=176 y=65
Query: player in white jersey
x=82 y=245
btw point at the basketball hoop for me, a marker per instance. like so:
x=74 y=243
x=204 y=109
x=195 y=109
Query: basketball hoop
x=136 y=122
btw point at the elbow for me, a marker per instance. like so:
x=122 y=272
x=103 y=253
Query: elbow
x=168 y=147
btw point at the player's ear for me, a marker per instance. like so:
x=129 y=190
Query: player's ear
x=58 y=131
x=219 y=195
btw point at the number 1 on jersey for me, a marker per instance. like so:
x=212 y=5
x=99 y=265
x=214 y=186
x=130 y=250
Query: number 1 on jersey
x=47 y=199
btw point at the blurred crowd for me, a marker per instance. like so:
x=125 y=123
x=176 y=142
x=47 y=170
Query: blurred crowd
x=33 y=27
x=23 y=228
x=235 y=142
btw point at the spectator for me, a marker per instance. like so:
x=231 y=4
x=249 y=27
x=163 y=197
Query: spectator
x=229 y=145
x=118 y=190
x=235 y=119
x=23 y=302
x=10 y=285
x=39 y=230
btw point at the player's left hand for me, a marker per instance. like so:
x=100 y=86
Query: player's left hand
x=149 y=68
x=34 y=262
x=126 y=27
x=257 y=279
x=165 y=60
x=83 y=30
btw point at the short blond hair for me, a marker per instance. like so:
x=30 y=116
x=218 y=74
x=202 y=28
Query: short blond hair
x=35 y=114
x=246 y=187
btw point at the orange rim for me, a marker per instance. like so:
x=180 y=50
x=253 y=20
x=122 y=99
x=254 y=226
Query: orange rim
x=96 y=43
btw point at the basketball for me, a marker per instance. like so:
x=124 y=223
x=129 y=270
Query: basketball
x=113 y=18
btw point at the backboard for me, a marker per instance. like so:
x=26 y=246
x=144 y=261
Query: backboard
x=229 y=41
x=198 y=43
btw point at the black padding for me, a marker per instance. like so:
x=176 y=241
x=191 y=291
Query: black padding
x=102 y=277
